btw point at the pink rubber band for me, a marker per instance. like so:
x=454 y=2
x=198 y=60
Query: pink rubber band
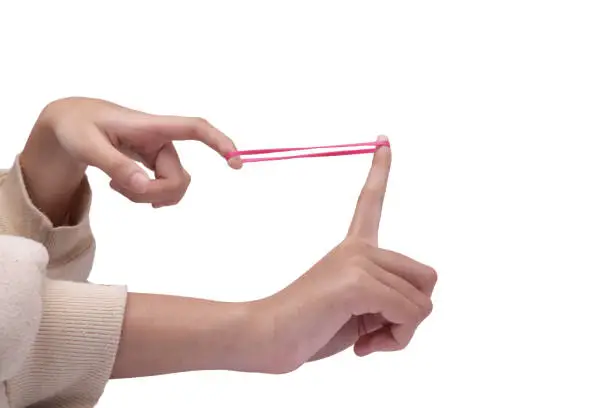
x=344 y=152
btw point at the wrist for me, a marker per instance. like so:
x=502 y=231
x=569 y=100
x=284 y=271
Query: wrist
x=245 y=338
x=43 y=149
x=51 y=175
x=238 y=335
x=275 y=333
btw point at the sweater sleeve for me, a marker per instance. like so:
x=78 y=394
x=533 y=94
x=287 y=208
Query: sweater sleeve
x=19 y=216
x=58 y=338
x=58 y=333
x=22 y=264
x=72 y=358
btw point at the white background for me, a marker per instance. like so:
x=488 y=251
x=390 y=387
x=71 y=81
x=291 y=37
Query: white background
x=499 y=114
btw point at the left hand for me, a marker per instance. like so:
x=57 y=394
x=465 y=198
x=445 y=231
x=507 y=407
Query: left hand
x=114 y=138
x=357 y=295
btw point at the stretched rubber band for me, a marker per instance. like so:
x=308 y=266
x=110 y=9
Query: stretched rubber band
x=344 y=152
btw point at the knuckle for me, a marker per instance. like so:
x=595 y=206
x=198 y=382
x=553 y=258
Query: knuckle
x=425 y=307
x=176 y=184
x=402 y=343
x=355 y=286
x=290 y=364
x=356 y=277
x=357 y=248
x=430 y=276
x=185 y=183
x=284 y=365
x=171 y=196
x=201 y=122
x=401 y=346
x=359 y=261
x=405 y=336
x=357 y=258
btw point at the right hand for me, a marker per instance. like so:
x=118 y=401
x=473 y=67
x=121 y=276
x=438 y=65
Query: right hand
x=73 y=133
x=358 y=295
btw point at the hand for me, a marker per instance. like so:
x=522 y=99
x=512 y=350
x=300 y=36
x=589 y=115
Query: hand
x=358 y=294
x=74 y=133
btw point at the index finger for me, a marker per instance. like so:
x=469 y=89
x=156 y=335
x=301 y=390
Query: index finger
x=368 y=211
x=190 y=128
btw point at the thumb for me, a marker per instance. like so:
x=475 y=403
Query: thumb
x=126 y=172
x=122 y=169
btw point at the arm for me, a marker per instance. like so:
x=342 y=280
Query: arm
x=59 y=338
x=170 y=334
x=72 y=347
x=67 y=330
x=84 y=323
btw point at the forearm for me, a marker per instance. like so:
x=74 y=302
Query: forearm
x=169 y=334
x=51 y=176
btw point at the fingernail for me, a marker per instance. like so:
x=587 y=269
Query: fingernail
x=235 y=163
x=139 y=182
x=384 y=140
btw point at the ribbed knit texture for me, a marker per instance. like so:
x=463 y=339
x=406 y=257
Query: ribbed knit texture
x=59 y=334
x=72 y=359
x=18 y=216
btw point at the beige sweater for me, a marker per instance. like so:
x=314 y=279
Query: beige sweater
x=58 y=333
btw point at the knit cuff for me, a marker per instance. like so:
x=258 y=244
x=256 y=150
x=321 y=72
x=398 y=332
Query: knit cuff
x=74 y=353
x=21 y=217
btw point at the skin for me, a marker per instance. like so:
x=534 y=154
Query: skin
x=358 y=295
